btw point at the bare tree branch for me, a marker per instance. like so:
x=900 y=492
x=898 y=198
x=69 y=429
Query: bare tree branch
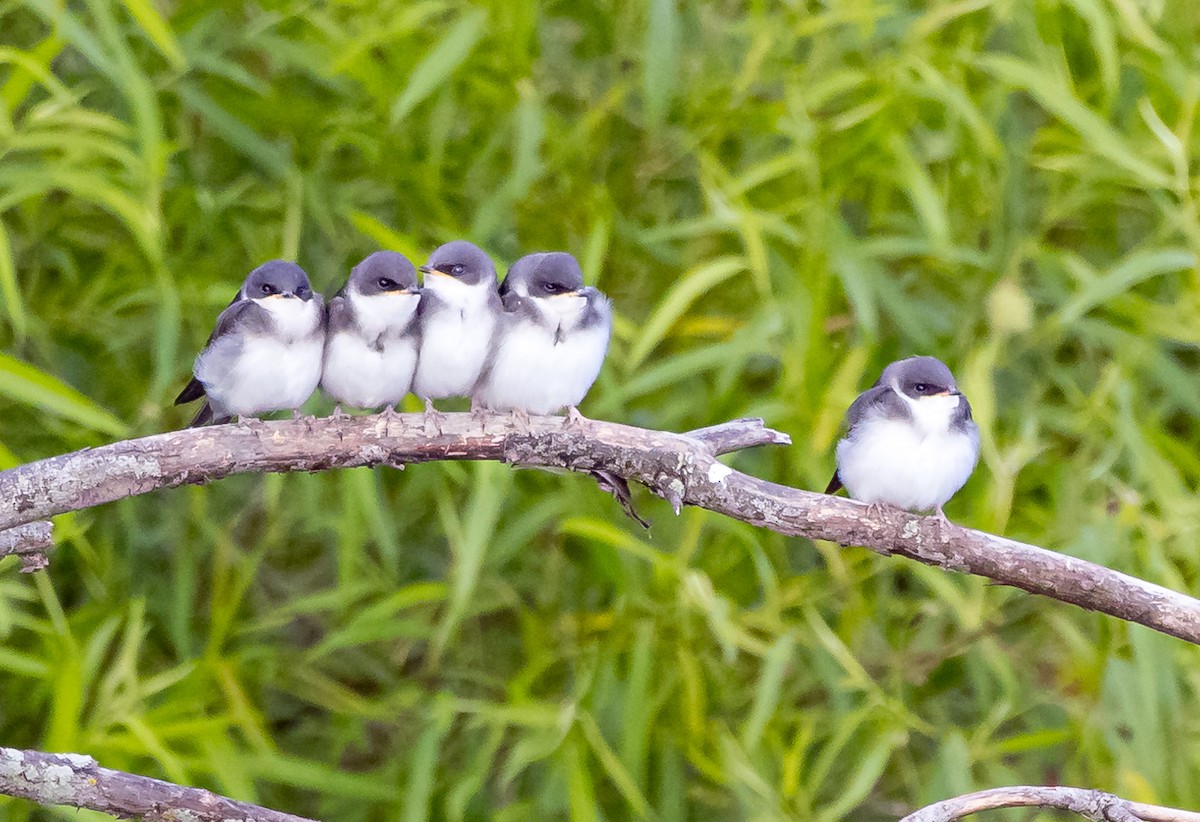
x=31 y=542
x=679 y=467
x=76 y=780
x=1090 y=804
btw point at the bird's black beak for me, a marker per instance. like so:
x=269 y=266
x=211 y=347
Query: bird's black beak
x=425 y=269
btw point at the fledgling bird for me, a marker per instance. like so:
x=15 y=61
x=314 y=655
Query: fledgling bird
x=460 y=306
x=911 y=442
x=372 y=337
x=265 y=352
x=551 y=340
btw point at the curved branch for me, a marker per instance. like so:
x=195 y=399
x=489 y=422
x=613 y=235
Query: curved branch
x=1090 y=804
x=679 y=467
x=31 y=542
x=78 y=781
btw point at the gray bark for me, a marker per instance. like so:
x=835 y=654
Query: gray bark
x=31 y=542
x=76 y=780
x=1090 y=804
x=679 y=467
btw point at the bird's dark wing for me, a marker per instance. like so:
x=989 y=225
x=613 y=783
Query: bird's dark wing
x=875 y=400
x=238 y=312
x=962 y=414
x=242 y=315
x=340 y=315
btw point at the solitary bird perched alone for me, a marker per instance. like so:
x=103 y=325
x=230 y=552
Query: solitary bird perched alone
x=265 y=352
x=551 y=340
x=911 y=441
x=372 y=338
x=460 y=306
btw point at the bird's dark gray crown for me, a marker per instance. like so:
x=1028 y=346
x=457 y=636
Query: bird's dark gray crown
x=919 y=377
x=546 y=274
x=383 y=272
x=277 y=277
x=464 y=261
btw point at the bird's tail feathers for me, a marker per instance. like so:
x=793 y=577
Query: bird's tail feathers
x=835 y=484
x=194 y=390
x=203 y=417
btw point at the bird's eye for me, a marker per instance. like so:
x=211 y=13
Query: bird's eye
x=267 y=288
x=385 y=283
x=552 y=288
x=921 y=388
x=458 y=270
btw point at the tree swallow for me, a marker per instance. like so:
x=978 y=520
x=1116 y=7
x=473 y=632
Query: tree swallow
x=911 y=441
x=551 y=340
x=265 y=353
x=371 y=342
x=460 y=306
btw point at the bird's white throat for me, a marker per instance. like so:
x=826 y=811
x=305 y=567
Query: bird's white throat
x=932 y=415
x=294 y=318
x=456 y=292
x=389 y=313
x=564 y=311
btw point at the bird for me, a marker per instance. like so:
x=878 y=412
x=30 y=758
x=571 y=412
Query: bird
x=372 y=336
x=911 y=442
x=551 y=339
x=265 y=352
x=460 y=306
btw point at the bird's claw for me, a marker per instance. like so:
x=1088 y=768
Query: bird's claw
x=433 y=420
x=520 y=420
x=574 y=419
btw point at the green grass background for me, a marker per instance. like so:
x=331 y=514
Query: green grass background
x=780 y=198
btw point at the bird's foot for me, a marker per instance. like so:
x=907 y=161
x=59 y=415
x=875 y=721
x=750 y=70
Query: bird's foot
x=943 y=521
x=879 y=510
x=480 y=414
x=520 y=420
x=574 y=419
x=433 y=420
x=338 y=413
x=389 y=413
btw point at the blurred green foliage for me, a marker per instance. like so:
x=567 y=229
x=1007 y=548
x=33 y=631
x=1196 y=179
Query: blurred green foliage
x=781 y=198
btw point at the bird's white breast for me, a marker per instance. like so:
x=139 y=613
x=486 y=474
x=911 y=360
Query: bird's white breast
x=248 y=374
x=372 y=363
x=454 y=340
x=917 y=464
x=540 y=369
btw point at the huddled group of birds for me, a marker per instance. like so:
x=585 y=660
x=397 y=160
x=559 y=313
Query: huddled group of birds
x=532 y=344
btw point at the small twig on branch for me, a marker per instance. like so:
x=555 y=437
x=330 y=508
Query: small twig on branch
x=681 y=468
x=76 y=780
x=1090 y=804
x=31 y=542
